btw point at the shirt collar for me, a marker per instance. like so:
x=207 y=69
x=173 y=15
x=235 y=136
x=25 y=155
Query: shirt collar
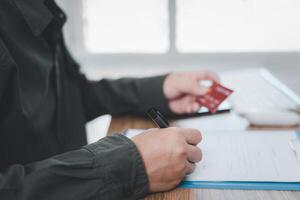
x=36 y=14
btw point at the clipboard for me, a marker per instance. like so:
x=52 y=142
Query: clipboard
x=240 y=185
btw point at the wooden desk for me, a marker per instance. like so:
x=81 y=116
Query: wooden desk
x=120 y=123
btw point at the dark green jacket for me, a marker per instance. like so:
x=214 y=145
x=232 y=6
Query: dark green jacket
x=44 y=104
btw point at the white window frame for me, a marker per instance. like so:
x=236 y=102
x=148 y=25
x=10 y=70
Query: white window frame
x=172 y=58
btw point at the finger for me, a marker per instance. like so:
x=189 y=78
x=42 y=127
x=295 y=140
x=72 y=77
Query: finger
x=194 y=154
x=192 y=107
x=190 y=167
x=207 y=75
x=195 y=106
x=186 y=104
x=189 y=109
x=191 y=86
x=197 y=89
x=191 y=83
x=192 y=136
x=181 y=105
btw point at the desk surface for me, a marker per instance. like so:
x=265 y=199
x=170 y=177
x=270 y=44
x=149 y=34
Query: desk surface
x=120 y=123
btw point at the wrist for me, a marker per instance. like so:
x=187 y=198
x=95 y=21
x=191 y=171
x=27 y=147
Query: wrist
x=169 y=88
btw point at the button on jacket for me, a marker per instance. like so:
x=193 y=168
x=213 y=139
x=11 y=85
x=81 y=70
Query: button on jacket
x=44 y=104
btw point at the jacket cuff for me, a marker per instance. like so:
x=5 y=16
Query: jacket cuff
x=123 y=166
x=151 y=95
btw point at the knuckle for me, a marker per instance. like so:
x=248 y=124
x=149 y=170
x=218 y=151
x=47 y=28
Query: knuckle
x=196 y=131
x=197 y=134
x=198 y=154
x=181 y=151
x=177 y=136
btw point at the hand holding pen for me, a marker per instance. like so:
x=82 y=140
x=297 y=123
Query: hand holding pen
x=169 y=154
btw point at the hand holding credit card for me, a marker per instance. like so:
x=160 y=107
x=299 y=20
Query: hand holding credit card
x=214 y=97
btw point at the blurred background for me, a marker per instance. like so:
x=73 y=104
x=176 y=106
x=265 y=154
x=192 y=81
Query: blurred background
x=114 y=38
x=117 y=38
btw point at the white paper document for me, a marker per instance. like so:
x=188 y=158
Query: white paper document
x=262 y=156
x=247 y=156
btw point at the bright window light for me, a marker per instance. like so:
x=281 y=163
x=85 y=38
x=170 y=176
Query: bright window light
x=126 y=26
x=238 y=25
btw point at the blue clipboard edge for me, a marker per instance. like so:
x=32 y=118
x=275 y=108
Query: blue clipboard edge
x=241 y=185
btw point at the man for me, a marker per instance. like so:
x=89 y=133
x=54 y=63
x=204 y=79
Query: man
x=45 y=102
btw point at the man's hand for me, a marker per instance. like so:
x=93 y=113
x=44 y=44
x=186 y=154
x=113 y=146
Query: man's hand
x=181 y=89
x=168 y=154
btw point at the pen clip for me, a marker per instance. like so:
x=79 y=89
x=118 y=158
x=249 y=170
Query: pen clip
x=158 y=118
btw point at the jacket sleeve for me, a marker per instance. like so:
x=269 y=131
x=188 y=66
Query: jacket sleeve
x=123 y=96
x=108 y=169
x=119 y=97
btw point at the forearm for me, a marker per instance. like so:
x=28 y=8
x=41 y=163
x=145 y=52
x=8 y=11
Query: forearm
x=124 y=96
x=108 y=169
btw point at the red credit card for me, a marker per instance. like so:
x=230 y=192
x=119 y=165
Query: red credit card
x=214 y=97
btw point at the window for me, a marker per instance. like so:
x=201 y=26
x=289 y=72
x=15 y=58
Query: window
x=182 y=31
x=238 y=25
x=126 y=26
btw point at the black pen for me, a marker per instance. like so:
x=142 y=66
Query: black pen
x=158 y=118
